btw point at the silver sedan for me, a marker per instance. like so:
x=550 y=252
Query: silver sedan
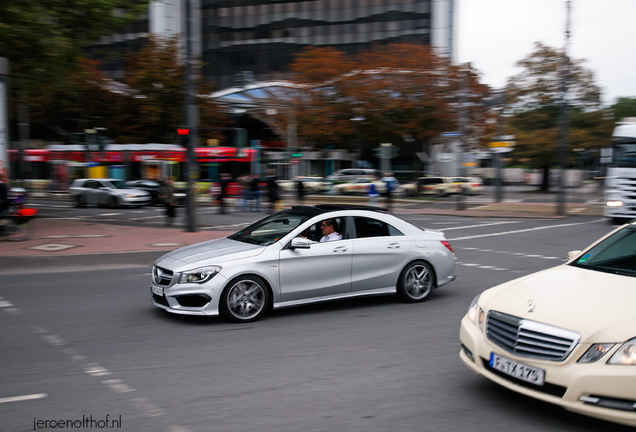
x=303 y=255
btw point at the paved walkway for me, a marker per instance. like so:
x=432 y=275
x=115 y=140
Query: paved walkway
x=67 y=237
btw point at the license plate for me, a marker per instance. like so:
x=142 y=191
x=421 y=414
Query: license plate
x=518 y=370
x=157 y=290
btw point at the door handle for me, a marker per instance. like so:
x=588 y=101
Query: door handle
x=394 y=246
x=340 y=249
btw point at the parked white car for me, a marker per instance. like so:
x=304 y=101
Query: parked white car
x=359 y=187
x=469 y=185
x=566 y=335
x=312 y=185
x=107 y=192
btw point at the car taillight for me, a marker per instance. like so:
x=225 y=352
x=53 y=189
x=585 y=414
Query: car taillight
x=447 y=244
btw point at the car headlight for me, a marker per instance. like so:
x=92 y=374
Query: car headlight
x=614 y=203
x=476 y=314
x=595 y=352
x=130 y=196
x=626 y=355
x=199 y=275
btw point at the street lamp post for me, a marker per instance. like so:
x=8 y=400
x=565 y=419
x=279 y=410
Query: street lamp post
x=563 y=133
x=191 y=120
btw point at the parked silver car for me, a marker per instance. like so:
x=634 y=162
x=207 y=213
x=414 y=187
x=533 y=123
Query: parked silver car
x=107 y=192
x=280 y=261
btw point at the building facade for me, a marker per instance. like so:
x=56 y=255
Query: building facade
x=263 y=36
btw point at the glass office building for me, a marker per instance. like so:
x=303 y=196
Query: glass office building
x=262 y=36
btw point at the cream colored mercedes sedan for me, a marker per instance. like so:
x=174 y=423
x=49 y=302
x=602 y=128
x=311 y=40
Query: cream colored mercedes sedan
x=566 y=335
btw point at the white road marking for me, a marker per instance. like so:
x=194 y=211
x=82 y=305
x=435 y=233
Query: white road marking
x=523 y=230
x=118 y=386
x=479 y=226
x=109 y=214
x=5 y=304
x=54 y=340
x=148 y=408
x=94 y=369
x=23 y=398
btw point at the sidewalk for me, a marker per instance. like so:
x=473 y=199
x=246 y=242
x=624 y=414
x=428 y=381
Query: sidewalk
x=55 y=237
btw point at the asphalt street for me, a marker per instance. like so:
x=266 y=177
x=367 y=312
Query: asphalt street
x=87 y=343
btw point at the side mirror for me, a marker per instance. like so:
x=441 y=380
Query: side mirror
x=573 y=254
x=300 y=243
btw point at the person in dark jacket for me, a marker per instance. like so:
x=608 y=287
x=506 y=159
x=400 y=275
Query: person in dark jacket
x=224 y=183
x=300 y=191
x=170 y=202
x=255 y=193
x=273 y=192
x=4 y=192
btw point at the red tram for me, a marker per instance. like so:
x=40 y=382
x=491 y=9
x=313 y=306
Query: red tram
x=61 y=164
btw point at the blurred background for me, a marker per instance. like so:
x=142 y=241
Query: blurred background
x=299 y=88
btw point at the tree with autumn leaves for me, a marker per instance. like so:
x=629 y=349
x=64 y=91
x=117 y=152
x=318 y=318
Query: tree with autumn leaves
x=534 y=97
x=145 y=107
x=399 y=93
x=151 y=107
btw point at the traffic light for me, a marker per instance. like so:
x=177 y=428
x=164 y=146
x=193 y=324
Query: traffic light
x=184 y=135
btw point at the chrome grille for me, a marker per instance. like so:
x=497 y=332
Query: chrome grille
x=530 y=338
x=161 y=276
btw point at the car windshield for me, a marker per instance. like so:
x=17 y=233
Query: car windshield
x=119 y=184
x=624 y=154
x=271 y=229
x=616 y=254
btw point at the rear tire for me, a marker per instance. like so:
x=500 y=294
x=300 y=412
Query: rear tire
x=416 y=282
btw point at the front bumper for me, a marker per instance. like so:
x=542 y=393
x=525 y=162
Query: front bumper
x=587 y=389
x=191 y=299
x=136 y=201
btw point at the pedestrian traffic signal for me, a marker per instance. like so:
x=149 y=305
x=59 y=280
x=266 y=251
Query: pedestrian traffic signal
x=183 y=131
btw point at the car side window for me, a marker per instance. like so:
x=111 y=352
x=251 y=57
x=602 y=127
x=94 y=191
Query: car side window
x=314 y=232
x=367 y=227
x=91 y=184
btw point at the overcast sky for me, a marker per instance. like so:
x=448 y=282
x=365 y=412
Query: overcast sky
x=494 y=34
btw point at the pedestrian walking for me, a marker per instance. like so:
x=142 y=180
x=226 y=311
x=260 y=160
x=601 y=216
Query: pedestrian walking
x=244 y=182
x=169 y=202
x=255 y=193
x=300 y=191
x=391 y=184
x=273 y=192
x=223 y=184
x=374 y=196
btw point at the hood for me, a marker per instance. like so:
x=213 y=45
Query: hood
x=214 y=252
x=592 y=303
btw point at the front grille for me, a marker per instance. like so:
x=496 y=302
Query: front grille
x=193 y=300
x=161 y=276
x=530 y=338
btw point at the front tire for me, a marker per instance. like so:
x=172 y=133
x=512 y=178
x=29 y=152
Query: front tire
x=245 y=299
x=416 y=282
x=14 y=231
